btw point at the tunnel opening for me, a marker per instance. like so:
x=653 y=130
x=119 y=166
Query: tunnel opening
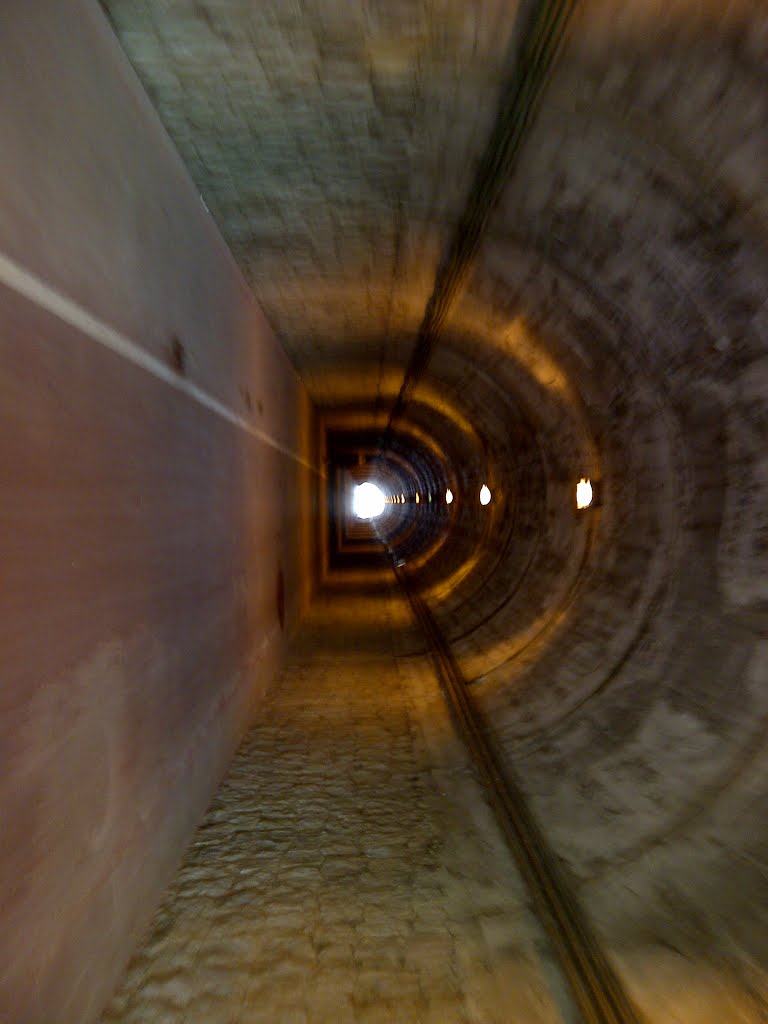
x=368 y=500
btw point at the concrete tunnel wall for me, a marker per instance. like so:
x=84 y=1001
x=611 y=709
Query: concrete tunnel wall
x=615 y=327
x=156 y=453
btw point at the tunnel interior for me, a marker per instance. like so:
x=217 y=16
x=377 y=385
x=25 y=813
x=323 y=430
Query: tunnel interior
x=505 y=248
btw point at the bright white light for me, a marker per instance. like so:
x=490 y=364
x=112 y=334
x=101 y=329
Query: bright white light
x=485 y=495
x=368 y=501
x=583 y=493
x=448 y=496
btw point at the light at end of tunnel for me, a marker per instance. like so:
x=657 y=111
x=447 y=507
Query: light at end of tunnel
x=485 y=495
x=583 y=493
x=368 y=501
x=448 y=496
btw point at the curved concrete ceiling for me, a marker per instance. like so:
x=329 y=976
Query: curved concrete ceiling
x=613 y=325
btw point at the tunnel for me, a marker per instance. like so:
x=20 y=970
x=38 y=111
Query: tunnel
x=498 y=753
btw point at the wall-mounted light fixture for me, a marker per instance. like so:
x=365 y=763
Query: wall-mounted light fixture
x=448 y=496
x=584 y=493
x=485 y=495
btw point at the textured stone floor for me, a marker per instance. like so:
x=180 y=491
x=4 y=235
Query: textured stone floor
x=348 y=869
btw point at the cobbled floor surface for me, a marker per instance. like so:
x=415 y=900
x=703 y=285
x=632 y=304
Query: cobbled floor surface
x=349 y=869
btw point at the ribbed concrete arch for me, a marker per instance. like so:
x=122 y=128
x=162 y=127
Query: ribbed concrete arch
x=610 y=322
x=612 y=326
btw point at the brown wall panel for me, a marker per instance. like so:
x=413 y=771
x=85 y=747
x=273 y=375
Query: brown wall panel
x=149 y=508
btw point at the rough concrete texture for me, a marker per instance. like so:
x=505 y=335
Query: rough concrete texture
x=333 y=143
x=614 y=325
x=348 y=869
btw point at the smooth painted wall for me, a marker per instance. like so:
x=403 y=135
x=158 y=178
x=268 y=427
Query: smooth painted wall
x=155 y=484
